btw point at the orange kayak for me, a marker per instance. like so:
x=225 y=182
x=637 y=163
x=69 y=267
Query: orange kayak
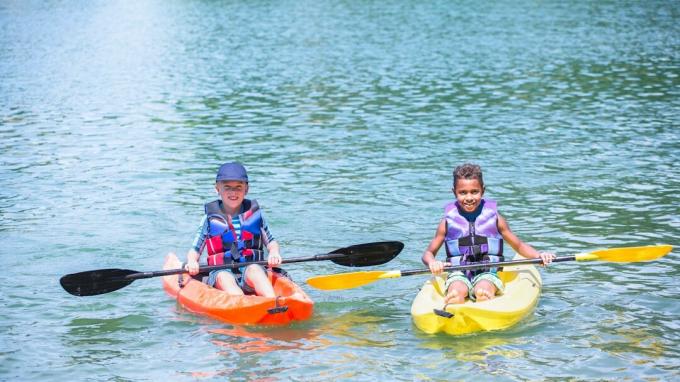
x=292 y=305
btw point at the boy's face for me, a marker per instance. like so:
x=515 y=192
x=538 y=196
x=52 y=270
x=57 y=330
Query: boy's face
x=468 y=193
x=232 y=193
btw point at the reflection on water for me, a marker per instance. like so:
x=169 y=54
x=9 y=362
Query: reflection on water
x=257 y=340
x=357 y=328
x=479 y=350
x=99 y=340
x=346 y=334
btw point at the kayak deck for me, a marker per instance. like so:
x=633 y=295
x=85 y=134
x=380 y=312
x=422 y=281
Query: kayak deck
x=293 y=303
x=522 y=290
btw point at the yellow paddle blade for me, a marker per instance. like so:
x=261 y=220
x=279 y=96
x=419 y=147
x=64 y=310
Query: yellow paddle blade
x=626 y=255
x=350 y=280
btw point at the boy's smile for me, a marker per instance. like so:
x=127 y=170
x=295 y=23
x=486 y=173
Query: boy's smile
x=232 y=193
x=468 y=193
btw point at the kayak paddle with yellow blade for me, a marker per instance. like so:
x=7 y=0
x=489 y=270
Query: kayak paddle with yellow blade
x=618 y=255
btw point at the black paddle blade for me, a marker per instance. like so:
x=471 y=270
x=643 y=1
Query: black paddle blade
x=90 y=283
x=363 y=255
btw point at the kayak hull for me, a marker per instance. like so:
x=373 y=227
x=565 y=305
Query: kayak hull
x=197 y=297
x=522 y=290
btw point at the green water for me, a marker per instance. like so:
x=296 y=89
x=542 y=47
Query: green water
x=350 y=116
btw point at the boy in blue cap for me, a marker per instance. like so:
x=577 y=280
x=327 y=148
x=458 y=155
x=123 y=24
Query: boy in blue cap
x=233 y=229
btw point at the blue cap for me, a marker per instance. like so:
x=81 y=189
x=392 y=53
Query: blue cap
x=232 y=171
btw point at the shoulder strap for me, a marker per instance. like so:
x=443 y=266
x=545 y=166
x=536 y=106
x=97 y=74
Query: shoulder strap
x=213 y=208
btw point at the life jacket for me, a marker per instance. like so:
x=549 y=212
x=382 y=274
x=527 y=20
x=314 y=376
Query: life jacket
x=222 y=244
x=473 y=242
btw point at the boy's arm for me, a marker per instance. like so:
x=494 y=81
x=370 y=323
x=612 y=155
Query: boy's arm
x=192 y=261
x=195 y=252
x=274 y=256
x=428 y=258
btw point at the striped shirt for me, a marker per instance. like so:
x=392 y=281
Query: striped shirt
x=202 y=233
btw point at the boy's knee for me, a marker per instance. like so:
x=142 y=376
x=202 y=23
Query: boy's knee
x=225 y=281
x=225 y=277
x=255 y=271
x=461 y=287
x=485 y=286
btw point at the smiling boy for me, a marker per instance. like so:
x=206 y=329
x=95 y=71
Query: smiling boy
x=473 y=231
x=233 y=229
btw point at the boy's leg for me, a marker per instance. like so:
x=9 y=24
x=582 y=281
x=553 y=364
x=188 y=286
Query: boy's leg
x=457 y=288
x=456 y=293
x=486 y=286
x=227 y=282
x=256 y=277
x=484 y=290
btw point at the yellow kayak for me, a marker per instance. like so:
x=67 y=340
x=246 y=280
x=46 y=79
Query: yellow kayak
x=522 y=290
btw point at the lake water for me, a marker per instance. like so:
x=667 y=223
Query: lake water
x=350 y=116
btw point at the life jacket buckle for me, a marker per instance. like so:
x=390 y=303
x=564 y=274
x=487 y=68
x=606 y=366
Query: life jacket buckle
x=234 y=252
x=476 y=250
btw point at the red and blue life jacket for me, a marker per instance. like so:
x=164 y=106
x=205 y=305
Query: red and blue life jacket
x=473 y=242
x=222 y=242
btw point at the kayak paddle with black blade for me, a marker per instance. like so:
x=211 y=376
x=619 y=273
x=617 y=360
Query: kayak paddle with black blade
x=100 y=281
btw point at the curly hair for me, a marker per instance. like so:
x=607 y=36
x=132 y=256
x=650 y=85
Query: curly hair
x=468 y=171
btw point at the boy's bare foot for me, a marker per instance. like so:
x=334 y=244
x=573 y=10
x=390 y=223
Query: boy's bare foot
x=296 y=296
x=483 y=295
x=453 y=297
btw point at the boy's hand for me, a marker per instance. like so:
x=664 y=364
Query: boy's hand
x=274 y=259
x=547 y=257
x=436 y=267
x=192 y=267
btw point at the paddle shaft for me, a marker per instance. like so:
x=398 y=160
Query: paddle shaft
x=100 y=281
x=619 y=255
x=622 y=255
x=467 y=267
x=206 y=269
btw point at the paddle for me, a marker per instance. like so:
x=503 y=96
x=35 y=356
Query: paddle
x=356 y=279
x=100 y=281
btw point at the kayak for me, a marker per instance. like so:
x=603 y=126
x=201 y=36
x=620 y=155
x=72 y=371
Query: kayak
x=293 y=304
x=522 y=290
